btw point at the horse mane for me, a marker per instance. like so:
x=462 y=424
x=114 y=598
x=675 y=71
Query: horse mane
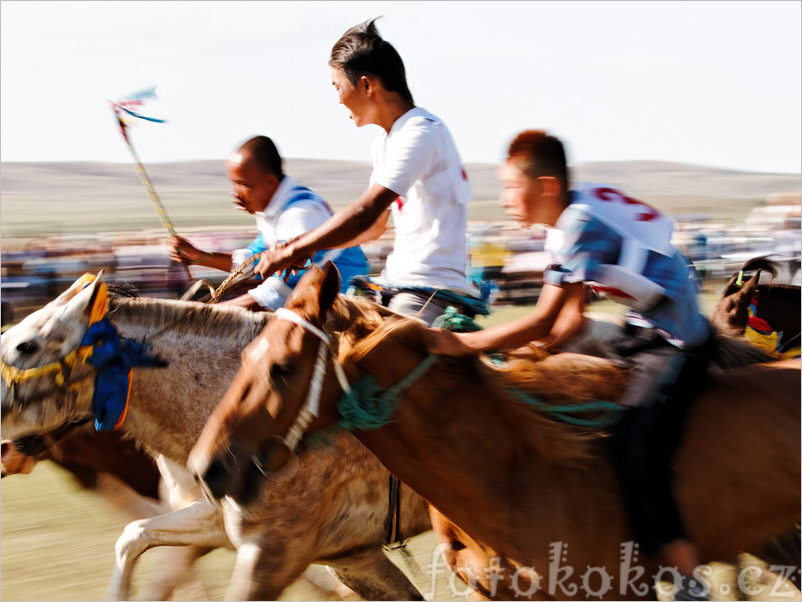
x=356 y=320
x=761 y=263
x=563 y=377
x=526 y=372
x=122 y=289
x=187 y=317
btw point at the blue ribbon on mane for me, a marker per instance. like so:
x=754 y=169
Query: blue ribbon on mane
x=114 y=357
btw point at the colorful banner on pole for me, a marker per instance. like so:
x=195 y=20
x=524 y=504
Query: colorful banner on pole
x=129 y=107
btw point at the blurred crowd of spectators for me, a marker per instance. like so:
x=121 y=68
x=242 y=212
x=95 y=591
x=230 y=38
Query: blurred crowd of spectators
x=507 y=261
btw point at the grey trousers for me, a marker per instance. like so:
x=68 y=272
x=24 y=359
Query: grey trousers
x=410 y=305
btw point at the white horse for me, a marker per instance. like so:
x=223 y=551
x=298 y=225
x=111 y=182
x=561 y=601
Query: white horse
x=277 y=538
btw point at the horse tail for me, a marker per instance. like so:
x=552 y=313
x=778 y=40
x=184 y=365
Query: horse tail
x=732 y=352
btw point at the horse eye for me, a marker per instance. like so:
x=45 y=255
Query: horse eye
x=280 y=372
x=27 y=347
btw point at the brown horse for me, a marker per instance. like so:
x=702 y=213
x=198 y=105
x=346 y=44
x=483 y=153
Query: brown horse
x=533 y=506
x=767 y=314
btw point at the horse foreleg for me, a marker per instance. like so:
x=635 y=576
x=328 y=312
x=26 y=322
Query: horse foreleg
x=373 y=576
x=324 y=579
x=177 y=571
x=263 y=569
x=197 y=524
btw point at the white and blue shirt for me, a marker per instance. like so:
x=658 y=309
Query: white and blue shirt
x=622 y=248
x=292 y=211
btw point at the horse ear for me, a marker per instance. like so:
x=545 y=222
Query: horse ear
x=88 y=298
x=743 y=297
x=750 y=286
x=330 y=287
x=75 y=288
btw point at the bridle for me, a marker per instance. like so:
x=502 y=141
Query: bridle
x=63 y=366
x=311 y=408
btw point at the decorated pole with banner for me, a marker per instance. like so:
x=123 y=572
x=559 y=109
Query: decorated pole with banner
x=127 y=108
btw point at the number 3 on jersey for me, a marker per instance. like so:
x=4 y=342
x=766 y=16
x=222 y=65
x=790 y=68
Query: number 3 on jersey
x=643 y=212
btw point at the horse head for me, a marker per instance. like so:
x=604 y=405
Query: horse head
x=292 y=381
x=45 y=382
x=248 y=435
x=730 y=313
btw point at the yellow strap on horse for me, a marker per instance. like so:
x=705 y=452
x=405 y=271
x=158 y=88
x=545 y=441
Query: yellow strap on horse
x=14 y=376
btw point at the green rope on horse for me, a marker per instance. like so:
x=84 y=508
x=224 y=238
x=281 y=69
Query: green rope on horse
x=365 y=408
x=609 y=411
x=455 y=322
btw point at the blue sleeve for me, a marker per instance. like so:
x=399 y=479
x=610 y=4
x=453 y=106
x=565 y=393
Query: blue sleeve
x=257 y=245
x=293 y=280
x=588 y=244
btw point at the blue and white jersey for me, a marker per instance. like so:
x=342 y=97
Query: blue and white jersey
x=622 y=248
x=292 y=211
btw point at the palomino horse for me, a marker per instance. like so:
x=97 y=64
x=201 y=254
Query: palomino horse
x=533 y=506
x=767 y=314
x=332 y=512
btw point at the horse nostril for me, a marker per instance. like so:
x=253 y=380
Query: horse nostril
x=216 y=478
x=27 y=347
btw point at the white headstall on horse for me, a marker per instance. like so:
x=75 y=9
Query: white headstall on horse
x=311 y=407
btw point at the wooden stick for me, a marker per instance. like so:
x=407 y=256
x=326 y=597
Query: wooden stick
x=165 y=219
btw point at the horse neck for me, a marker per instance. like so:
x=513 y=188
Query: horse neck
x=201 y=345
x=488 y=478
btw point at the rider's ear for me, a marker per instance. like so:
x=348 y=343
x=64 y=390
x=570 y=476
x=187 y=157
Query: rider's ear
x=330 y=287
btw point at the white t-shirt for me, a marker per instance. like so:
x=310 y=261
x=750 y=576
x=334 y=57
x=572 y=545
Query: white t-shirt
x=418 y=161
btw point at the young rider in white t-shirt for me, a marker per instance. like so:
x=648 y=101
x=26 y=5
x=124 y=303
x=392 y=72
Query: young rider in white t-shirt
x=417 y=175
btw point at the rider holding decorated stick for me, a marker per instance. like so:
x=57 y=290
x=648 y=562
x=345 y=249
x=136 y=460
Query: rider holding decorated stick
x=621 y=248
x=417 y=175
x=282 y=210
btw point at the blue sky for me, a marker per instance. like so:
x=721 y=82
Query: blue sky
x=713 y=83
